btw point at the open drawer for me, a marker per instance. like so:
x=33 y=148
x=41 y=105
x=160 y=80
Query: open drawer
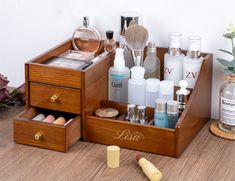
x=47 y=135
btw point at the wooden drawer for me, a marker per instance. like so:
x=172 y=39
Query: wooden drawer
x=55 y=98
x=54 y=137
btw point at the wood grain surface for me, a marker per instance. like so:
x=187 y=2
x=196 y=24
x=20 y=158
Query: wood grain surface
x=207 y=158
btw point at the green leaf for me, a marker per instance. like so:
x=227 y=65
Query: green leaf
x=229 y=35
x=234 y=52
x=229 y=64
x=225 y=51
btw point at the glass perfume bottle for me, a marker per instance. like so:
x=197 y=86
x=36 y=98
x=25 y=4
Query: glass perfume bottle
x=110 y=44
x=227 y=105
x=173 y=60
x=152 y=62
x=86 y=38
x=192 y=62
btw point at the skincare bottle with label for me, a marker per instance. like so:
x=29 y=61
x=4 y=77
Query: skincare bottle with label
x=227 y=105
x=192 y=62
x=118 y=78
x=136 y=86
x=173 y=60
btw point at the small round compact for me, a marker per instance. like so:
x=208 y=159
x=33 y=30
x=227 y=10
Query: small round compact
x=106 y=112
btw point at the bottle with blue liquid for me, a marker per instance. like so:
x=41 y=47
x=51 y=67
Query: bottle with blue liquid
x=160 y=115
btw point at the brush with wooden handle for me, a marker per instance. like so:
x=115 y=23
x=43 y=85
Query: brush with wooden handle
x=136 y=38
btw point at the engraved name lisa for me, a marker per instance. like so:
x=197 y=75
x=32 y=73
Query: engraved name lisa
x=129 y=135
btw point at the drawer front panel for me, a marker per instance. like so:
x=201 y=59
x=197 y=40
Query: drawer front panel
x=47 y=136
x=55 y=98
x=54 y=75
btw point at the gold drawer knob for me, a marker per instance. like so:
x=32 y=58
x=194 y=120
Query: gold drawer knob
x=55 y=98
x=38 y=136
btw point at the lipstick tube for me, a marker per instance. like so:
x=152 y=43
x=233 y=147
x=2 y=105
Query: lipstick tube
x=149 y=169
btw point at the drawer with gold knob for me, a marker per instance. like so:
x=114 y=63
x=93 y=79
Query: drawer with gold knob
x=47 y=135
x=55 y=98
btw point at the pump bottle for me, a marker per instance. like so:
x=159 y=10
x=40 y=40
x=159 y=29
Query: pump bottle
x=192 y=62
x=136 y=86
x=182 y=95
x=173 y=60
x=118 y=79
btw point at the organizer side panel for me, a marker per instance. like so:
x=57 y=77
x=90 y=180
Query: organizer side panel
x=198 y=109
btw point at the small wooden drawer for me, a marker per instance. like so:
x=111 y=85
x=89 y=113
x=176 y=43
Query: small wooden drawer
x=55 y=98
x=46 y=135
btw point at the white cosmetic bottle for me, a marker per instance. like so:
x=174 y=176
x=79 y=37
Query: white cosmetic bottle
x=118 y=78
x=136 y=86
x=173 y=60
x=192 y=62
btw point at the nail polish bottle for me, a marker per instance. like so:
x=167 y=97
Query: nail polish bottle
x=160 y=116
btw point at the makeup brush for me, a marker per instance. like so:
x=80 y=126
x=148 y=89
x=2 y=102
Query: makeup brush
x=136 y=38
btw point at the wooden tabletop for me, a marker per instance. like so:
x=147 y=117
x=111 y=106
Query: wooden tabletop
x=207 y=158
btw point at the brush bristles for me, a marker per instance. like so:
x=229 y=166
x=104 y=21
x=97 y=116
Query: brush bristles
x=136 y=37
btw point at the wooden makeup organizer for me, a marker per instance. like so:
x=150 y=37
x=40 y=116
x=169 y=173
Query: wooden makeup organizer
x=80 y=93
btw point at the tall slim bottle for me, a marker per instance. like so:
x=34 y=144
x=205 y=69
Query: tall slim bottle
x=173 y=60
x=192 y=62
x=118 y=79
x=152 y=62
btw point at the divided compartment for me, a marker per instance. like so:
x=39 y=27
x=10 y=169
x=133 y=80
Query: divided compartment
x=47 y=135
x=149 y=138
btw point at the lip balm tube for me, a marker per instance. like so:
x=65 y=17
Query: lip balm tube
x=149 y=169
x=49 y=119
x=60 y=121
x=113 y=156
x=39 y=117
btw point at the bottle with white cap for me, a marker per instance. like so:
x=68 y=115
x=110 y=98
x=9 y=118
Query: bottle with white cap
x=173 y=60
x=182 y=95
x=166 y=90
x=118 y=78
x=136 y=86
x=192 y=62
x=152 y=91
